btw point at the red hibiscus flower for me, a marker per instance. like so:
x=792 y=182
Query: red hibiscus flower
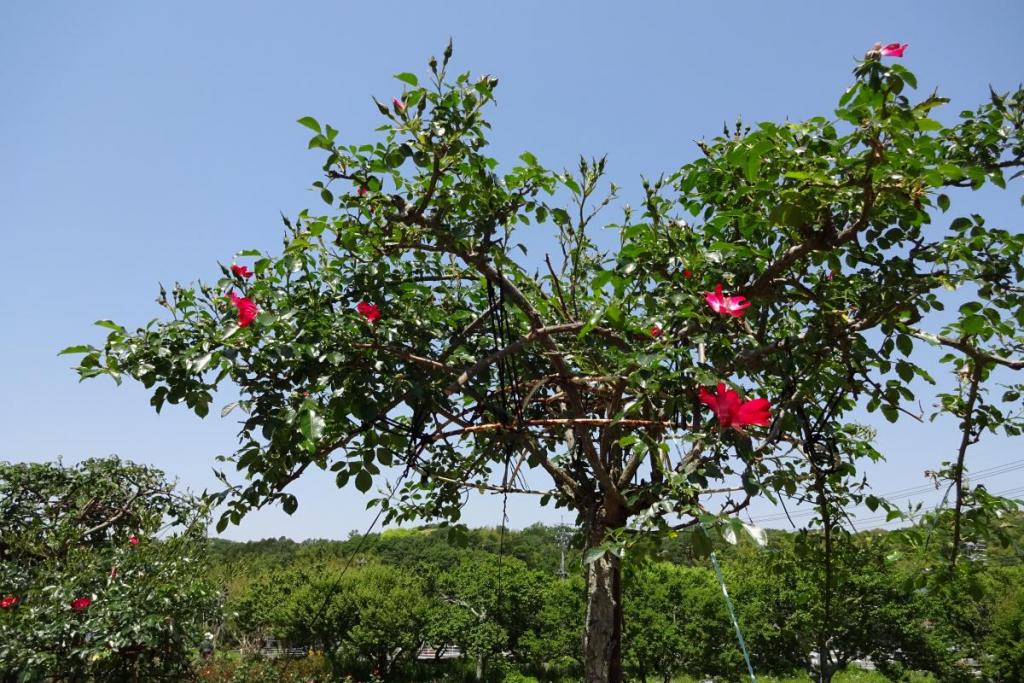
x=241 y=271
x=134 y=540
x=79 y=604
x=246 y=309
x=687 y=273
x=368 y=311
x=9 y=601
x=732 y=411
x=894 y=50
x=656 y=330
x=399 y=105
x=730 y=305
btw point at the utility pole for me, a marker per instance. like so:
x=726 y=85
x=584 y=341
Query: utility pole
x=562 y=537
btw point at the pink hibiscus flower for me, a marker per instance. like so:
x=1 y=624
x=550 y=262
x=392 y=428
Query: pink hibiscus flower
x=732 y=411
x=246 y=309
x=730 y=305
x=894 y=50
x=368 y=311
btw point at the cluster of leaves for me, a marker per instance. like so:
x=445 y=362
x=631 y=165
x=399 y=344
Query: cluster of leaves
x=116 y=541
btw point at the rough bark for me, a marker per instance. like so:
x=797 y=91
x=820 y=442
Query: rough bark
x=602 y=640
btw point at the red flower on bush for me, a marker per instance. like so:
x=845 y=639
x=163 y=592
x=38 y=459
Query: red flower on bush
x=80 y=603
x=368 y=311
x=363 y=191
x=894 y=50
x=656 y=330
x=134 y=540
x=113 y=572
x=241 y=271
x=732 y=411
x=730 y=305
x=9 y=601
x=399 y=105
x=687 y=273
x=246 y=309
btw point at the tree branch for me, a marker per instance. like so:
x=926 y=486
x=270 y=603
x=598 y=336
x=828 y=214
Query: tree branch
x=967 y=349
x=764 y=281
x=965 y=441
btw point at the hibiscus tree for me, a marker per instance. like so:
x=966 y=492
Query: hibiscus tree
x=815 y=255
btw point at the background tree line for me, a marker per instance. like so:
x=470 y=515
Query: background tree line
x=500 y=599
x=107 y=573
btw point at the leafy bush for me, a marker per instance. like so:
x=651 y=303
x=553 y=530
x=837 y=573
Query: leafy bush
x=93 y=592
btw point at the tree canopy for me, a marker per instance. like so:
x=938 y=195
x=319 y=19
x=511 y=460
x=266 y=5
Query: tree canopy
x=800 y=265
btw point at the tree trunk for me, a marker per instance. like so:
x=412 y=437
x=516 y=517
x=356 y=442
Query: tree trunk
x=602 y=636
x=480 y=667
x=826 y=669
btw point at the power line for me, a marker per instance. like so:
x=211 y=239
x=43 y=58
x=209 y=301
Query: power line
x=884 y=518
x=992 y=471
x=909 y=492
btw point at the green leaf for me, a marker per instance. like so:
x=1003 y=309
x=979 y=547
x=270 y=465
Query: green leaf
x=974 y=324
x=81 y=348
x=409 y=78
x=311 y=424
x=310 y=122
x=752 y=168
x=960 y=223
x=756 y=533
x=197 y=365
x=792 y=214
x=528 y=158
x=289 y=503
x=701 y=543
x=905 y=371
x=363 y=481
x=905 y=344
x=110 y=325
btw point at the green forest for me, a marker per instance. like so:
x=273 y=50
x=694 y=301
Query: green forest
x=108 y=573
x=365 y=606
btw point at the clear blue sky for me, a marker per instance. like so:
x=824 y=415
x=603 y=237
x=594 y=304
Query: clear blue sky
x=142 y=142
